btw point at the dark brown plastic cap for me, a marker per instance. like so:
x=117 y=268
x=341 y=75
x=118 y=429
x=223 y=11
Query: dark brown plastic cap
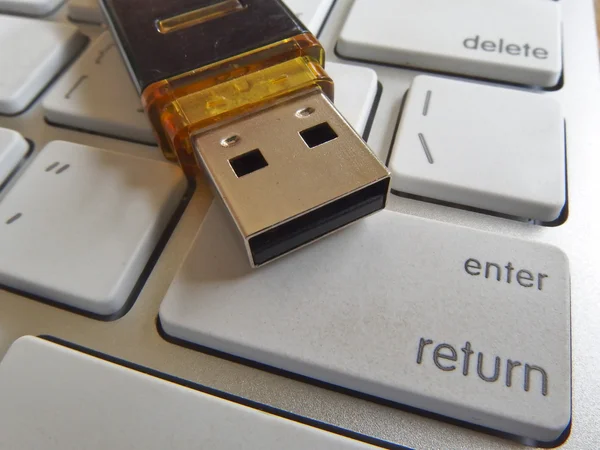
x=154 y=56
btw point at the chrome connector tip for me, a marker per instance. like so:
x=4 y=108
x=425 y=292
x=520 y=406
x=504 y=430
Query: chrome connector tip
x=291 y=174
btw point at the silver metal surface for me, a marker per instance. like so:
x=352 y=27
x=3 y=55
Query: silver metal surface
x=135 y=336
x=297 y=180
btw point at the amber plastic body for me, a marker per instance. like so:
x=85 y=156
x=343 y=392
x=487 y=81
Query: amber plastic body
x=181 y=105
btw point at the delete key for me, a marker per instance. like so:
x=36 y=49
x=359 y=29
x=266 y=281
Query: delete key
x=504 y=40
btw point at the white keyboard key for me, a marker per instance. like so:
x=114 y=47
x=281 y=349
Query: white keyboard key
x=13 y=148
x=96 y=94
x=510 y=40
x=311 y=12
x=355 y=92
x=427 y=291
x=80 y=224
x=85 y=11
x=55 y=398
x=487 y=147
x=38 y=50
x=29 y=7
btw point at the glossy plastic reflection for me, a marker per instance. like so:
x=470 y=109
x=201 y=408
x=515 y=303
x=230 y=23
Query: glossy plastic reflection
x=197 y=99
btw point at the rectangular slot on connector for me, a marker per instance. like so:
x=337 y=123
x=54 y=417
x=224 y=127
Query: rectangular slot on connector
x=248 y=163
x=318 y=223
x=318 y=135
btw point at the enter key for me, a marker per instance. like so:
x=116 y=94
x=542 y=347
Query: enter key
x=454 y=321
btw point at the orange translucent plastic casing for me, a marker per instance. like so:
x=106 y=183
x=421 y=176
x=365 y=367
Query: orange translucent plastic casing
x=179 y=106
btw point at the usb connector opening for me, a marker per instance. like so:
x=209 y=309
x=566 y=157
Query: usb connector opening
x=291 y=173
x=318 y=223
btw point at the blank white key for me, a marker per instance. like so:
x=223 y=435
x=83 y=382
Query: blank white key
x=355 y=92
x=80 y=224
x=30 y=7
x=498 y=149
x=33 y=53
x=311 y=12
x=96 y=94
x=85 y=11
x=13 y=148
x=508 y=40
x=426 y=288
x=55 y=398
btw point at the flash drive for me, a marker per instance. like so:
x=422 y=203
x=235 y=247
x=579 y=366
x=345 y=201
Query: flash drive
x=238 y=89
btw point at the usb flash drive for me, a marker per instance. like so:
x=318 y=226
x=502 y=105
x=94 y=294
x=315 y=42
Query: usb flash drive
x=237 y=88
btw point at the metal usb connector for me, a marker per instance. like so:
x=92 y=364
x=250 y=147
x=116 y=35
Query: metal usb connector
x=291 y=174
x=239 y=89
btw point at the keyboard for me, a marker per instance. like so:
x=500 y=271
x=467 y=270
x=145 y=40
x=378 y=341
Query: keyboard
x=463 y=316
